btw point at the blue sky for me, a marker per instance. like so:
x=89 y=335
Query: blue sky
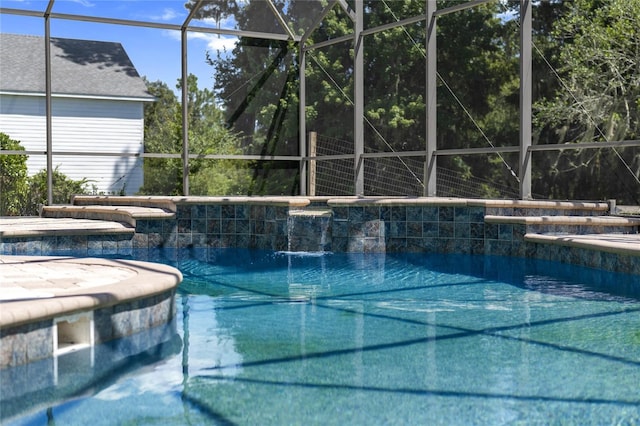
x=154 y=52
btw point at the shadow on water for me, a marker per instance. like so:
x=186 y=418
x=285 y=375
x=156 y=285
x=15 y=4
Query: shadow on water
x=530 y=274
x=424 y=392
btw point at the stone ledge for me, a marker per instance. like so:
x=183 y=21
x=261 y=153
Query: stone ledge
x=628 y=244
x=256 y=201
x=160 y=202
x=17 y=227
x=399 y=201
x=533 y=204
x=146 y=280
x=124 y=214
x=564 y=220
x=169 y=202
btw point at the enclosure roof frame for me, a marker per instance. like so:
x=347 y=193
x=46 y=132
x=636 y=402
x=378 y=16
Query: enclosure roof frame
x=355 y=14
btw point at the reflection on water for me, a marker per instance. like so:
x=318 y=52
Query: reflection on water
x=281 y=338
x=33 y=387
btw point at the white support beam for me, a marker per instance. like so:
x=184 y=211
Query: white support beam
x=185 y=98
x=345 y=6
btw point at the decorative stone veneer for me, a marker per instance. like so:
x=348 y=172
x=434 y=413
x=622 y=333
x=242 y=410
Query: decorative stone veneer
x=223 y=224
x=430 y=225
x=30 y=342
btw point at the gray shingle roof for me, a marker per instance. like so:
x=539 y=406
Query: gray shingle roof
x=78 y=67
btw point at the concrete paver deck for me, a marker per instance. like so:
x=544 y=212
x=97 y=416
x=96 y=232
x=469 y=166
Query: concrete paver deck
x=33 y=226
x=39 y=278
x=63 y=285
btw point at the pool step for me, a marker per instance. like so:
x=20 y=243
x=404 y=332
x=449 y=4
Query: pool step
x=29 y=227
x=628 y=244
x=520 y=208
x=116 y=213
x=570 y=224
x=163 y=203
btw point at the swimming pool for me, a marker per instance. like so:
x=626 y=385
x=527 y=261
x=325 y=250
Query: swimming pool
x=301 y=338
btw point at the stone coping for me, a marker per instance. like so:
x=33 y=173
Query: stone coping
x=564 y=220
x=121 y=213
x=160 y=202
x=462 y=202
x=170 y=202
x=16 y=227
x=627 y=244
x=302 y=201
x=66 y=285
x=542 y=204
x=399 y=201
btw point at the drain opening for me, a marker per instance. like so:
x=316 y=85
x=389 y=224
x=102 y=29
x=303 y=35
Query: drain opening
x=72 y=333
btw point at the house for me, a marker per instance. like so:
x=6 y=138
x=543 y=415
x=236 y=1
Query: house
x=96 y=107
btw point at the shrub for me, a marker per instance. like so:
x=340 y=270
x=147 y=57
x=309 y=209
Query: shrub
x=21 y=195
x=63 y=189
x=14 y=186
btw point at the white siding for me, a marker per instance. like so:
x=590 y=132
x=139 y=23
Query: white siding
x=84 y=125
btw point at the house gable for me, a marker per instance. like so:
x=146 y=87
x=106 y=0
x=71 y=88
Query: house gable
x=97 y=124
x=83 y=68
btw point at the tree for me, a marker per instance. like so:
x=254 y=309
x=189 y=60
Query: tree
x=257 y=82
x=162 y=134
x=13 y=178
x=21 y=195
x=478 y=92
x=207 y=135
x=599 y=45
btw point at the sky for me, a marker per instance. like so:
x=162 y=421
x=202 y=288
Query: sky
x=154 y=52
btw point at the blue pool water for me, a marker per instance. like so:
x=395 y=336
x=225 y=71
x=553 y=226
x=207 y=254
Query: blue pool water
x=299 y=339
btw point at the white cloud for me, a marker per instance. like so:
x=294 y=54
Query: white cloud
x=85 y=3
x=214 y=42
x=175 y=35
x=228 y=23
x=168 y=14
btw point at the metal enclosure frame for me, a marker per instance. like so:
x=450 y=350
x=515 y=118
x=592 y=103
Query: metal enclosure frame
x=431 y=152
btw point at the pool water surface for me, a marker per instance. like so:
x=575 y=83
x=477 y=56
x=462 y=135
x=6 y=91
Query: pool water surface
x=309 y=338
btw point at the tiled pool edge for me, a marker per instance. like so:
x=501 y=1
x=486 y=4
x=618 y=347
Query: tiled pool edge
x=430 y=225
x=30 y=327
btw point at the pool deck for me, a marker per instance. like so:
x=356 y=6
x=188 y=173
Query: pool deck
x=64 y=285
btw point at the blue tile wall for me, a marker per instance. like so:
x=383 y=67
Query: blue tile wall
x=351 y=228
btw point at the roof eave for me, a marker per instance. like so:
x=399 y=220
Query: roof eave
x=81 y=96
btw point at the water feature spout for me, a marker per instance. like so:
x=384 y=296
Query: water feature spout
x=309 y=230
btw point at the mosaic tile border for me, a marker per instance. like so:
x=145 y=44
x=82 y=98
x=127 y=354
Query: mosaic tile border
x=353 y=225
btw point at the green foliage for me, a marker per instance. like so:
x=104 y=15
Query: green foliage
x=63 y=189
x=597 y=44
x=21 y=195
x=207 y=135
x=13 y=178
x=591 y=44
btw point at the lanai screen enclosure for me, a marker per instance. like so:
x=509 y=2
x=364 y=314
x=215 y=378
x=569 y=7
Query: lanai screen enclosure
x=300 y=55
